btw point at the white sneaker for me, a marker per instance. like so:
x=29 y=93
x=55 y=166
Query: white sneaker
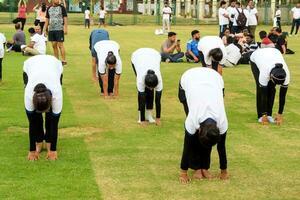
x=271 y=120
x=149 y=117
x=260 y=120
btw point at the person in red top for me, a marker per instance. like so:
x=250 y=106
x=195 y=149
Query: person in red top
x=265 y=41
x=22 y=13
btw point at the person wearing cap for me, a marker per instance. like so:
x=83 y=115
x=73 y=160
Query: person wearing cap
x=42 y=75
x=212 y=52
x=201 y=93
x=269 y=69
x=96 y=35
x=146 y=66
x=109 y=67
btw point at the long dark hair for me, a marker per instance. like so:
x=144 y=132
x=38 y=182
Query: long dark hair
x=42 y=98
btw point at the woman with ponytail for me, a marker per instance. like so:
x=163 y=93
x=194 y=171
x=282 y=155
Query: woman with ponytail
x=109 y=67
x=146 y=65
x=42 y=76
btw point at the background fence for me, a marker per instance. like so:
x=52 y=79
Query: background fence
x=143 y=12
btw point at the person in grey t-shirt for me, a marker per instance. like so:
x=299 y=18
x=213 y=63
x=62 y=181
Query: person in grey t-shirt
x=168 y=48
x=18 y=40
x=56 y=28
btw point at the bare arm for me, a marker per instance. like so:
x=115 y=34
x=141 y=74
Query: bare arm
x=35 y=7
x=65 y=25
x=116 y=85
x=46 y=26
x=167 y=50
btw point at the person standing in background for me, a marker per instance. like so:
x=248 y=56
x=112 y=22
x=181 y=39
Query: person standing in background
x=42 y=16
x=22 y=13
x=223 y=18
x=87 y=15
x=278 y=17
x=36 y=9
x=102 y=14
x=231 y=12
x=253 y=17
x=296 y=19
x=166 y=16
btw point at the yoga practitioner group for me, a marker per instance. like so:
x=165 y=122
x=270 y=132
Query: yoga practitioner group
x=201 y=92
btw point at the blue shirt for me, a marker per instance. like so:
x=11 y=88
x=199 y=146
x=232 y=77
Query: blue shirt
x=96 y=36
x=192 y=45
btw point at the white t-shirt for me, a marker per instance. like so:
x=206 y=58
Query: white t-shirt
x=39 y=43
x=223 y=20
x=204 y=94
x=296 y=13
x=47 y=70
x=102 y=48
x=208 y=43
x=102 y=14
x=233 y=54
x=278 y=13
x=2 y=41
x=265 y=60
x=144 y=59
x=166 y=12
x=231 y=12
x=87 y=14
x=252 y=20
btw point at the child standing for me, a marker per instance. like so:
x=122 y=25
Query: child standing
x=87 y=15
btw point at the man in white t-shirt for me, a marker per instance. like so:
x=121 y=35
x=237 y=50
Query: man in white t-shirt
x=231 y=13
x=233 y=54
x=87 y=14
x=166 y=17
x=269 y=69
x=223 y=18
x=201 y=93
x=252 y=17
x=102 y=14
x=109 y=67
x=37 y=44
x=42 y=75
x=212 y=52
x=2 y=43
x=146 y=65
x=296 y=19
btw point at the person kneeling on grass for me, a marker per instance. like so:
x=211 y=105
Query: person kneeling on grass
x=146 y=66
x=269 y=69
x=212 y=52
x=168 y=48
x=42 y=75
x=201 y=93
x=37 y=44
x=109 y=67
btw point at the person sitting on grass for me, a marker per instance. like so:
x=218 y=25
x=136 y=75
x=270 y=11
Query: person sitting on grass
x=42 y=75
x=168 y=48
x=146 y=66
x=37 y=45
x=17 y=41
x=226 y=34
x=233 y=52
x=265 y=41
x=249 y=47
x=109 y=67
x=212 y=52
x=201 y=93
x=269 y=69
x=192 y=54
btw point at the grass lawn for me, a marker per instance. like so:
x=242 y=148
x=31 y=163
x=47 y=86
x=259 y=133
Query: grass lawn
x=105 y=154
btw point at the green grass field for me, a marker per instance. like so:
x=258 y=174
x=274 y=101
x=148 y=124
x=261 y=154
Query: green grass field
x=105 y=154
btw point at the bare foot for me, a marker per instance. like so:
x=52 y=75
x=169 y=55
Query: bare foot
x=206 y=174
x=184 y=178
x=198 y=174
x=224 y=175
x=52 y=155
x=39 y=147
x=33 y=155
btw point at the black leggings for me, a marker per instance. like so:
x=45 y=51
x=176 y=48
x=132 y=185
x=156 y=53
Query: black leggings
x=42 y=24
x=1 y=68
x=23 y=22
x=36 y=129
x=87 y=23
x=111 y=81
